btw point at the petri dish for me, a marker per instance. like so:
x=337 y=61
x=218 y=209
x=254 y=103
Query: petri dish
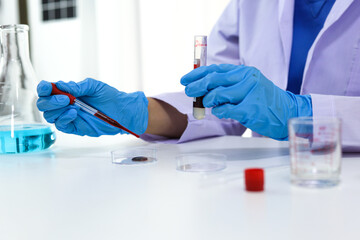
x=201 y=162
x=134 y=156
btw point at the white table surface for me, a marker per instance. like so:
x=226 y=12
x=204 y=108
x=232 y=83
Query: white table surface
x=73 y=191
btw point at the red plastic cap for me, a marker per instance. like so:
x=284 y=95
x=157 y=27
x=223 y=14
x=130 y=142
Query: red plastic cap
x=254 y=179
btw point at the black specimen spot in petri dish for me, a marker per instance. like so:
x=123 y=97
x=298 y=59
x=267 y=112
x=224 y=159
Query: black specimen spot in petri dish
x=139 y=159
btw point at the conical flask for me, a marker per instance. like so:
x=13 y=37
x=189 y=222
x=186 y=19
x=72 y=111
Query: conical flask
x=21 y=126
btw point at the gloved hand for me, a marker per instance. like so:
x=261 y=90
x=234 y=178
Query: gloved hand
x=129 y=109
x=246 y=95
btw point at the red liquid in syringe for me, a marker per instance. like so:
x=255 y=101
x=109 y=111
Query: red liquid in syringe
x=114 y=123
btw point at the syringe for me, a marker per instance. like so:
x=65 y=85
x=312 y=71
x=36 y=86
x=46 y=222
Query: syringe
x=85 y=107
x=200 y=54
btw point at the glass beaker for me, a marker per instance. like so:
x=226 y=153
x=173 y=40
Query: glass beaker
x=21 y=126
x=315 y=151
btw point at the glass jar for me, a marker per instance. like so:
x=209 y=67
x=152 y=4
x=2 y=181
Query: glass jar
x=22 y=128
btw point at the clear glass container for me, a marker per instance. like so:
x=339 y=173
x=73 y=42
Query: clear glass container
x=201 y=162
x=134 y=156
x=315 y=151
x=22 y=128
x=200 y=55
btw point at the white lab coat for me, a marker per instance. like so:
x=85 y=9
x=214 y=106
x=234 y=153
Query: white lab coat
x=259 y=33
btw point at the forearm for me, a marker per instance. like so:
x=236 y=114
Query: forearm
x=165 y=120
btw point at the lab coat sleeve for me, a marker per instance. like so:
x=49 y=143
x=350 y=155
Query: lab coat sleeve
x=211 y=126
x=223 y=41
x=223 y=47
x=348 y=110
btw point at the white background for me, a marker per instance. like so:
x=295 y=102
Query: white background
x=130 y=44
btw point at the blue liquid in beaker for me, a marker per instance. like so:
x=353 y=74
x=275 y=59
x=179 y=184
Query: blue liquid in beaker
x=25 y=138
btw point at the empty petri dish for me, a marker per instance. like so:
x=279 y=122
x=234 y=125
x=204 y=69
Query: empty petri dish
x=134 y=156
x=201 y=162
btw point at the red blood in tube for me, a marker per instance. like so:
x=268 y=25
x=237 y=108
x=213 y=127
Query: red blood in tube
x=199 y=100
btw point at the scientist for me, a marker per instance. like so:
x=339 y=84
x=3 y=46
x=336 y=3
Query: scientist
x=270 y=61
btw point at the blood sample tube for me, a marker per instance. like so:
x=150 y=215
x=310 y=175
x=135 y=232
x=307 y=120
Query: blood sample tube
x=200 y=54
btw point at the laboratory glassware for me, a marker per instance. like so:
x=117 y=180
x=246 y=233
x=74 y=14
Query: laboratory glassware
x=134 y=156
x=201 y=162
x=315 y=151
x=21 y=126
x=200 y=55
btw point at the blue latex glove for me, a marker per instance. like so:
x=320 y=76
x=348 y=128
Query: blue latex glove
x=129 y=109
x=244 y=94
